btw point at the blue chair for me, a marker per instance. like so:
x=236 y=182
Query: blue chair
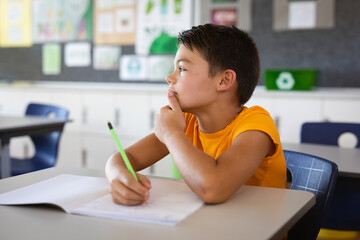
x=344 y=210
x=46 y=145
x=313 y=174
x=328 y=133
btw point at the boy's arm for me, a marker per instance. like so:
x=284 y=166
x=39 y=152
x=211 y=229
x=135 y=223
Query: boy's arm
x=123 y=186
x=213 y=180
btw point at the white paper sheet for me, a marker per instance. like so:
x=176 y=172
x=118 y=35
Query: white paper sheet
x=302 y=15
x=133 y=67
x=77 y=54
x=170 y=201
x=66 y=191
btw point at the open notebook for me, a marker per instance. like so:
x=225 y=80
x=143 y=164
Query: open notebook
x=170 y=201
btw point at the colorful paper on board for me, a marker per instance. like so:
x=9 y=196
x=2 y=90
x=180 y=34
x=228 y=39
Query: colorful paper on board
x=51 y=59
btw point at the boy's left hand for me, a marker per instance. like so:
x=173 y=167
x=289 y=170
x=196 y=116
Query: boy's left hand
x=170 y=120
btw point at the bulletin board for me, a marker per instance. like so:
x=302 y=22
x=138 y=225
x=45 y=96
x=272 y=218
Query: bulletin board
x=333 y=51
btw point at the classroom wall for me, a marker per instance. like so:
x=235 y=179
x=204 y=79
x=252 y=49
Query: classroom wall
x=334 y=52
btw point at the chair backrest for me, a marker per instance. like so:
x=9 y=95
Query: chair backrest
x=46 y=145
x=328 y=133
x=316 y=175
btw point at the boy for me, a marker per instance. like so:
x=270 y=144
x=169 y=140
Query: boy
x=216 y=142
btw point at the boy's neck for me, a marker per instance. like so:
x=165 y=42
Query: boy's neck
x=217 y=119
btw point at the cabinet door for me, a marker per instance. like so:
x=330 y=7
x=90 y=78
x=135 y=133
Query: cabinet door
x=15 y=100
x=21 y=147
x=72 y=102
x=96 y=151
x=97 y=109
x=131 y=114
x=342 y=110
x=291 y=113
x=164 y=167
x=70 y=150
x=157 y=101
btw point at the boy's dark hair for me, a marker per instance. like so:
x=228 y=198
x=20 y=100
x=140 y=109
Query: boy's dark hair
x=225 y=47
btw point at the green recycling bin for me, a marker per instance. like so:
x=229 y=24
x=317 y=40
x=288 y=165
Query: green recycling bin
x=290 y=79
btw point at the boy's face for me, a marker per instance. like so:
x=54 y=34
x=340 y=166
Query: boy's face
x=194 y=88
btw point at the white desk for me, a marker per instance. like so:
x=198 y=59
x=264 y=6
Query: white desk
x=348 y=160
x=252 y=213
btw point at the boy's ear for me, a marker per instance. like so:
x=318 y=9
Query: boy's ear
x=228 y=79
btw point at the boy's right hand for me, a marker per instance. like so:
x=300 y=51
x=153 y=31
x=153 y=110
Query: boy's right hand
x=126 y=190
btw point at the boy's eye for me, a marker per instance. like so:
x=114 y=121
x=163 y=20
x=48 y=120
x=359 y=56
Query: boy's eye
x=181 y=69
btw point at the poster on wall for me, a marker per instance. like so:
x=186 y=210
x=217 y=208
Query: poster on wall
x=161 y=66
x=57 y=20
x=51 y=59
x=106 y=57
x=77 y=54
x=15 y=18
x=224 y=16
x=158 y=24
x=114 y=22
x=303 y=15
x=133 y=68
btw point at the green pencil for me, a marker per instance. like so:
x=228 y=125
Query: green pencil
x=122 y=152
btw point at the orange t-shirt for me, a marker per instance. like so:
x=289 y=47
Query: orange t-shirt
x=272 y=171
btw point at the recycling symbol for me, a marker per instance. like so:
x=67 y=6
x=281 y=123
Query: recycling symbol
x=285 y=81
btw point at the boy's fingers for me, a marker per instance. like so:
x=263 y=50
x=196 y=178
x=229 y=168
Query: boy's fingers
x=129 y=181
x=144 y=181
x=174 y=103
x=124 y=195
x=125 y=199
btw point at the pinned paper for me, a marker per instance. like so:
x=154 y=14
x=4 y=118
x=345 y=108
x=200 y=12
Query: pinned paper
x=302 y=14
x=58 y=20
x=114 y=22
x=15 y=23
x=158 y=24
x=77 y=54
x=51 y=59
x=160 y=67
x=133 y=67
x=106 y=57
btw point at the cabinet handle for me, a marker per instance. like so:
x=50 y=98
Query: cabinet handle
x=83 y=158
x=26 y=151
x=117 y=117
x=152 y=119
x=84 y=115
x=277 y=121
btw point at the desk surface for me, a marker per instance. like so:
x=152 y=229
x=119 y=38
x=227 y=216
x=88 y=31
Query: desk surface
x=252 y=213
x=14 y=124
x=348 y=160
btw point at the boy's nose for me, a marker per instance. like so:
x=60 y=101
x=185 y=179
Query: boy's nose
x=170 y=79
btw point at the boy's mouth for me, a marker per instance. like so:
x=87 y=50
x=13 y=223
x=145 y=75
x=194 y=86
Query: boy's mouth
x=171 y=91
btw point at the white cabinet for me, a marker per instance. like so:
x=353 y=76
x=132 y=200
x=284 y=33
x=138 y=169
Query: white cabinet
x=290 y=114
x=87 y=142
x=96 y=110
x=132 y=114
x=70 y=152
x=70 y=100
x=97 y=149
x=342 y=110
x=157 y=101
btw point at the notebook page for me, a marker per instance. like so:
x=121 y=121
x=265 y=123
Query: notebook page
x=170 y=202
x=65 y=190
